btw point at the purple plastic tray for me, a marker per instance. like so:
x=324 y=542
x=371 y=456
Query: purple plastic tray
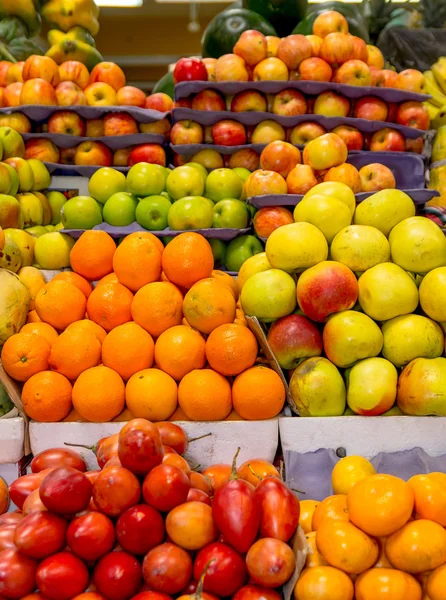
x=114 y=142
x=80 y=170
x=36 y=112
x=206 y=118
x=226 y=235
x=186 y=88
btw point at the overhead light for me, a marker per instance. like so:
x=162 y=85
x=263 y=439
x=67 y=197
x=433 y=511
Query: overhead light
x=120 y=3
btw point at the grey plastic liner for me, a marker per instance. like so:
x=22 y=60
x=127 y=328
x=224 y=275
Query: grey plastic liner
x=37 y=112
x=114 y=142
x=208 y=117
x=186 y=88
x=224 y=234
x=311 y=472
x=82 y=170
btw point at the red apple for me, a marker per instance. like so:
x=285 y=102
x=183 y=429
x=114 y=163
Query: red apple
x=325 y=152
x=378 y=77
x=119 y=124
x=331 y=104
x=38 y=91
x=301 y=179
x=354 y=72
x=327 y=288
x=131 y=96
x=261 y=183
x=15 y=73
x=303 y=133
x=271 y=69
x=67 y=156
x=4 y=68
x=95 y=128
x=161 y=102
x=249 y=100
x=329 y=21
x=376 y=177
x=392 y=110
x=371 y=108
x=161 y=127
x=252 y=47
x=209 y=63
x=390 y=78
x=345 y=173
x=337 y=48
x=186 y=132
x=245 y=158
x=190 y=69
x=13 y=93
x=374 y=57
x=353 y=138
x=94 y=154
x=41 y=67
x=413 y=114
x=182 y=103
x=411 y=80
x=268 y=219
x=229 y=133
x=209 y=100
x=268 y=131
x=110 y=73
x=231 y=67
x=281 y=157
x=100 y=94
x=69 y=93
x=293 y=49
x=121 y=157
x=387 y=140
x=149 y=153
x=416 y=145
x=359 y=49
x=66 y=122
x=74 y=71
x=293 y=339
x=289 y=103
x=315 y=69
x=42 y=149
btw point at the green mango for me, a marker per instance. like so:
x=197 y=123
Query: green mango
x=74 y=50
x=166 y=85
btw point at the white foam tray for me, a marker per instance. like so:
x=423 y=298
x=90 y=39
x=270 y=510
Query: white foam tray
x=366 y=436
x=257 y=439
x=12 y=435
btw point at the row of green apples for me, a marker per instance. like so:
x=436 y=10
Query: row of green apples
x=369 y=298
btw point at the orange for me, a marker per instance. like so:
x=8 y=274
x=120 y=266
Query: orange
x=33 y=317
x=45 y=331
x=231 y=348
x=98 y=394
x=209 y=304
x=314 y=557
x=382 y=562
x=258 y=393
x=233 y=416
x=146 y=235
x=334 y=507
x=110 y=278
x=387 y=584
x=205 y=395
x=89 y=327
x=187 y=259
x=24 y=355
x=92 y=255
x=430 y=498
x=80 y=282
x=346 y=547
x=74 y=417
x=128 y=349
x=74 y=352
x=226 y=279
x=256 y=469
x=46 y=397
x=323 y=583
x=436 y=584
x=151 y=394
x=109 y=305
x=440 y=477
x=123 y=417
x=217 y=475
x=137 y=262
x=60 y=303
x=157 y=306
x=307 y=509
x=348 y=471
x=417 y=547
x=179 y=415
x=179 y=350
x=380 y=504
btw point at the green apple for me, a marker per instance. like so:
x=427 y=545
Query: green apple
x=24 y=171
x=241 y=249
x=81 y=212
x=168 y=196
x=119 y=210
x=185 y=181
x=106 y=182
x=14 y=179
x=167 y=172
x=166 y=239
x=37 y=230
x=201 y=169
x=12 y=143
x=219 y=251
x=242 y=173
x=42 y=177
x=223 y=183
x=191 y=212
x=230 y=213
x=49 y=228
x=251 y=209
x=145 y=179
x=152 y=213
x=56 y=200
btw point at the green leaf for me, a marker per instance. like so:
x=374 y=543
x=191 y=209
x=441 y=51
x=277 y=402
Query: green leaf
x=22 y=48
x=11 y=28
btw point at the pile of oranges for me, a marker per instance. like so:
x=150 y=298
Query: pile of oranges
x=160 y=336
x=377 y=538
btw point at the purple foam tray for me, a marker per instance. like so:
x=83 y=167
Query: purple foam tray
x=186 y=88
x=114 y=142
x=37 y=112
x=207 y=118
x=224 y=234
x=310 y=472
x=419 y=196
x=77 y=170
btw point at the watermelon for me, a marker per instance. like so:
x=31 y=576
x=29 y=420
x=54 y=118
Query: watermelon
x=357 y=23
x=166 y=85
x=222 y=33
x=284 y=15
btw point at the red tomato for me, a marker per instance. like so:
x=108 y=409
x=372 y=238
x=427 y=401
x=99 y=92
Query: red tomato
x=167 y=569
x=90 y=536
x=7 y=533
x=270 y=562
x=254 y=592
x=172 y=435
x=66 y=491
x=195 y=495
x=118 y=576
x=106 y=448
x=175 y=460
x=33 y=503
x=168 y=450
x=225 y=569
x=140 y=447
x=200 y=482
x=17 y=574
x=57 y=457
x=11 y=518
x=92 y=475
x=21 y=488
x=165 y=487
x=40 y=534
x=115 y=490
x=62 y=576
x=279 y=509
x=139 y=529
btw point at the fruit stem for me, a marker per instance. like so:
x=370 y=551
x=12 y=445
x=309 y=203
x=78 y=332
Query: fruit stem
x=92 y=448
x=234 y=466
x=254 y=473
x=199 y=437
x=199 y=590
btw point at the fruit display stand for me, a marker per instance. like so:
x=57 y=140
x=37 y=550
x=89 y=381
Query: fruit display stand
x=13 y=446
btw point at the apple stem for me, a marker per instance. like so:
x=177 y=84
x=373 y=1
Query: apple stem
x=199 y=437
x=6 y=54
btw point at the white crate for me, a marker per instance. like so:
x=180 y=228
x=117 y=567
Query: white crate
x=12 y=435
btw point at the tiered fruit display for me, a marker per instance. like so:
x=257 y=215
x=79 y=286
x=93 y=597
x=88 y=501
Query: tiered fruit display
x=377 y=537
x=146 y=524
x=152 y=306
